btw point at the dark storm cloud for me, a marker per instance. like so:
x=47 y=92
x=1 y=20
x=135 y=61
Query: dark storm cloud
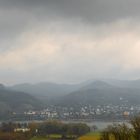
x=97 y=11
x=17 y=15
x=89 y=10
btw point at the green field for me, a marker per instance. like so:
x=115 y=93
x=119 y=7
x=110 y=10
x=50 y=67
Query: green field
x=43 y=138
x=39 y=138
x=89 y=136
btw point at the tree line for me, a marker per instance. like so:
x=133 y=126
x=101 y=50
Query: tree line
x=70 y=130
x=45 y=129
x=123 y=131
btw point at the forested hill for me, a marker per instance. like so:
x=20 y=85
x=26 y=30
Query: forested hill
x=102 y=93
x=11 y=100
x=95 y=92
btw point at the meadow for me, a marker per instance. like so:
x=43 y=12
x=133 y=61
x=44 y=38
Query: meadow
x=89 y=136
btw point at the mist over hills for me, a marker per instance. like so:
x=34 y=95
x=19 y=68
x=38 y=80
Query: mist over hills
x=49 y=90
x=11 y=100
x=94 y=92
x=101 y=93
x=89 y=92
x=102 y=96
x=97 y=84
x=46 y=90
x=124 y=83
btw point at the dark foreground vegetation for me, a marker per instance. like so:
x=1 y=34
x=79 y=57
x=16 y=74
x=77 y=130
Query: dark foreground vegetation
x=49 y=130
x=54 y=130
x=122 y=131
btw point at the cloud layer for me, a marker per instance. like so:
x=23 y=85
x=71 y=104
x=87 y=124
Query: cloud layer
x=69 y=41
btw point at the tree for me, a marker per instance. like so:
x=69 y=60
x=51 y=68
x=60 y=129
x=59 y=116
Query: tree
x=118 y=132
x=135 y=122
x=8 y=127
x=33 y=128
x=105 y=135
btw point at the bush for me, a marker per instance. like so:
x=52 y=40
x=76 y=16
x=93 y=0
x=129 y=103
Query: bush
x=118 y=132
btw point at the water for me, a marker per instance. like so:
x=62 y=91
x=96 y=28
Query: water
x=99 y=124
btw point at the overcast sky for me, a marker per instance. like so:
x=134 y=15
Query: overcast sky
x=69 y=41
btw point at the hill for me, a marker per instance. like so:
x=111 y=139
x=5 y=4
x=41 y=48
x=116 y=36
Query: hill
x=46 y=90
x=89 y=92
x=101 y=93
x=124 y=83
x=11 y=100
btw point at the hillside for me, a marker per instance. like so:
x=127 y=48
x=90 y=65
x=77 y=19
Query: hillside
x=46 y=90
x=101 y=93
x=89 y=92
x=11 y=100
x=124 y=83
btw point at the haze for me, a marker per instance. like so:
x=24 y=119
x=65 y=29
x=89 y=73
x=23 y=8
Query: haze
x=69 y=41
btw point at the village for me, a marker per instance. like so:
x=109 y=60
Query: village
x=99 y=112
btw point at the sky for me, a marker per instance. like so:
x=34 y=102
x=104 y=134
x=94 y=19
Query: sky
x=69 y=41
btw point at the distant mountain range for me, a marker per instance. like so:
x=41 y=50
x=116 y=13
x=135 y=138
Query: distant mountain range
x=102 y=95
x=89 y=92
x=24 y=97
x=124 y=83
x=46 y=90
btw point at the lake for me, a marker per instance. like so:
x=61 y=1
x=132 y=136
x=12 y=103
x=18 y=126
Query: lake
x=100 y=124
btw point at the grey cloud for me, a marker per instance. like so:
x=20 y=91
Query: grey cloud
x=89 y=10
x=18 y=15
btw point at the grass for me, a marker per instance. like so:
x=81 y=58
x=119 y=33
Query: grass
x=90 y=136
x=39 y=138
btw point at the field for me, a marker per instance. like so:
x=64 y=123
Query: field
x=90 y=136
x=39 y=138
x=51 y=136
